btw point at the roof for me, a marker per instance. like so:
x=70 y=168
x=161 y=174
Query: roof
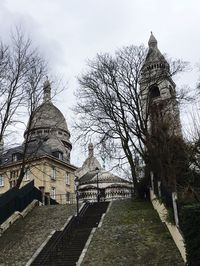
x=154 y=55
x=36 y=149
x=48 y=115
x=102 y=176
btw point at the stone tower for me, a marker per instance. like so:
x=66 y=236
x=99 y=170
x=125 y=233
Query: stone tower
x=158 y=90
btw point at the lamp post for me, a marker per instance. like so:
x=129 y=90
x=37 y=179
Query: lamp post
x=77 y=194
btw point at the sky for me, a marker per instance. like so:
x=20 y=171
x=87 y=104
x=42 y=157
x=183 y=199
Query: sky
x=70 y=32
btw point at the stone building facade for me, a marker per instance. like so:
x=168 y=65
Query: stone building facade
x=158 y=90
x=95 y=183
x=47 y=156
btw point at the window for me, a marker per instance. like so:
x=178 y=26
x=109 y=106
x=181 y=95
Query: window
x=13 y=178
x=27 y=174
x=53 y=193
x=53 y=173
x=67 y=179
x=14 y=174
x=154 y=91
x=14 y=157
x=1 y=181
x=58 y=154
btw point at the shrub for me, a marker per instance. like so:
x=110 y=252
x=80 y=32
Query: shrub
x=190 y=226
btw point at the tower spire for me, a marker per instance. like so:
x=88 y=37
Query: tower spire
x=47 y=91
x=90 y=150
x=152 y=41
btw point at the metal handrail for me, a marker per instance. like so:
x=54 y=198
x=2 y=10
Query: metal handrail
x=53 y=246
x=67 y=230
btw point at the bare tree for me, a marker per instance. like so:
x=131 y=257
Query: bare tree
x=22 y=73
x=110 y=103
x=16 y=64
x=33 y=92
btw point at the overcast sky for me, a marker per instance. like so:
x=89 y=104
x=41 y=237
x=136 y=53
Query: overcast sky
x=68 y=32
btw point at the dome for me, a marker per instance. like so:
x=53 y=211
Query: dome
x=48 y=126
x=47 y=118
x=48 y=115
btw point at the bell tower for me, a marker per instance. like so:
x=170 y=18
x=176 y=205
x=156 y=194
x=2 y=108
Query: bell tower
x=157 y=87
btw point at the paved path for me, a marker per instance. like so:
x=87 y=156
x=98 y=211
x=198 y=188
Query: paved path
x=132 y=235
x=22 y=239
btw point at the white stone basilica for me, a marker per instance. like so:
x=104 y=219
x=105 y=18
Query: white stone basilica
x=95 y=183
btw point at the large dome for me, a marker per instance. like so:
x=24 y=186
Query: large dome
x=49 y=126
x=48 y=115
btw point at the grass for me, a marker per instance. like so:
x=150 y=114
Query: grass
x=132 y=234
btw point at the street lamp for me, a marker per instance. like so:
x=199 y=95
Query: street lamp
x=77 y=194
x=98 y=199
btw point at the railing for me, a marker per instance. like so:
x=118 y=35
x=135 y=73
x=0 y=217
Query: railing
x=90 y=196
x=65 y=198
x=54 y=246
x=48 y=254
x=109 y=196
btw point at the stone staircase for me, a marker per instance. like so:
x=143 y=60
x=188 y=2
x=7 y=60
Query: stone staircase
x=65 y=247
x=24 y=237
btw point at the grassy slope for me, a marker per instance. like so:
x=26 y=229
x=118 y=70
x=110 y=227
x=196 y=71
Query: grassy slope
x=132 y=234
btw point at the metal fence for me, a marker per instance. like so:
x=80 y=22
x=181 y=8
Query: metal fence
x=17 y=199
x=71 y=198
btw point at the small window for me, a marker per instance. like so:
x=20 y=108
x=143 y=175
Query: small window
x=1 y=181
x=27 y=174
x=53 y=173
x=12 y=183
x=46 y=131
x=14 y=157
x=67 y=179
x=154 y=92
x=58 y=154
x=13 y=178
x=59 y=133
x=14 y=174
x=53 y=193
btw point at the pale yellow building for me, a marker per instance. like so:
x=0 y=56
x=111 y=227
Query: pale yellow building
x=48 y=154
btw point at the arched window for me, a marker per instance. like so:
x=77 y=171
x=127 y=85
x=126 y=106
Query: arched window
x=154 y=91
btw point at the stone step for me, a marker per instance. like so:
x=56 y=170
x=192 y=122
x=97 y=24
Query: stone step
x=27 y=235
x=68 y=250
